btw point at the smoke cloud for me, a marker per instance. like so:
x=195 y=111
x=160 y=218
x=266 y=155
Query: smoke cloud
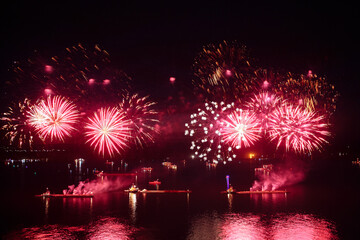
x=97 y=186
x=280 y=177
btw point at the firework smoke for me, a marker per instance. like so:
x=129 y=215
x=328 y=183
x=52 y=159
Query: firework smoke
x=98 y=186
x=277 y=179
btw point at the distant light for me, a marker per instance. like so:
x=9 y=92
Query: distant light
x=172 y=79
x=228 y=73
x=106 y=81
x=310 y=74
x=49 y=69
x=265 y=84
x=48 y=91
x=91 y=81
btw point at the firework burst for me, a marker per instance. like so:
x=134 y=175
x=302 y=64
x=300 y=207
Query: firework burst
x=108 y=131
x=310 y=91
x=262 y=105
x=241 y=128
x=298 y=129
x=86 y=75
x=142 y=117
x=16 y=126
x=224 y=71
x=54 y=118
x=204 y=128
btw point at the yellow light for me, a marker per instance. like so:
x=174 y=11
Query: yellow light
x=251 y=155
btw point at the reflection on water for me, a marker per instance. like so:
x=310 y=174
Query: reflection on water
x=269 y=200
x=104 y=228
x=230 y=198
x=251 y=226
x=110 y=228
x=132 y=206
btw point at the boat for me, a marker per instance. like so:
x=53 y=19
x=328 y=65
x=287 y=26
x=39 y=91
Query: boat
x=133 y=189
x=167 y=164
x=146 y=169
x=45 y=195
x=231 y=190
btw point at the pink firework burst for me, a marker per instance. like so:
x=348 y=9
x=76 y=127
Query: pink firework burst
x=299 y=129
x=263 y=104
x=108 y=131
x=142 y=116
x=53 y=117
x=241 y=128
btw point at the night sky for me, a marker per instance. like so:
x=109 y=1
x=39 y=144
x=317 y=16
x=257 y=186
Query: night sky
x=152 y=41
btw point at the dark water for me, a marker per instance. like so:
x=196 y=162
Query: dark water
x=324 y=206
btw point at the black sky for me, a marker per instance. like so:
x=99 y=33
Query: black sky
x=152 y=41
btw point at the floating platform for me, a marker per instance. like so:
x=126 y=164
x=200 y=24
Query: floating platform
x=233 y=192
x=165 y=191
x=262 y=192
x=155 y=183
x=66 y=195
x=160 y=191
x=115 y=174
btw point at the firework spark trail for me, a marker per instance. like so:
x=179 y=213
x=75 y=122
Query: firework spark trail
x=204 y=129
x=108 y=131
x=310 y=91
x=54 y=118
x=16 y=126
x=223 y=70
x=139 y=111
x=85 y=74
x=300 y=130
x=241 y=128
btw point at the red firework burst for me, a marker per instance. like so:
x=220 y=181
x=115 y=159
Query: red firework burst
x=54 y=118
x=300 y=130
x=108 y=131
x=263 y=104
x=241 y=128
x=142 y=117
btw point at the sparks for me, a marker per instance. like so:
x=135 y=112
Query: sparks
x=299 y=129
x=241 y=128
x=263 y=104
x=54 y=118
x=142 y=116
x=108 y=131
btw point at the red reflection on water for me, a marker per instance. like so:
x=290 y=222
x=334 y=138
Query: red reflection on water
x=105 y=228
x=302 y=226
x=280 y=226
x=110 y=228
x=252 y=226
